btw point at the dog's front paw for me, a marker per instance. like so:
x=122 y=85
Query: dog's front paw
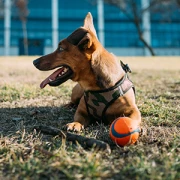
x=75 y=126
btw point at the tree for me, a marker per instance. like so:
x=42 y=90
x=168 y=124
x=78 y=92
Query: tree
x=134 y=13
x=23 y=13
x=1 y=9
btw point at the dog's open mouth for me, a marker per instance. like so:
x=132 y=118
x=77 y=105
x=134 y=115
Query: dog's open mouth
x=58 y=77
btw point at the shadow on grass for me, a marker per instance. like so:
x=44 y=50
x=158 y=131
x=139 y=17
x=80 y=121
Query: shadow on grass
x=22 y=158
x=17 y=119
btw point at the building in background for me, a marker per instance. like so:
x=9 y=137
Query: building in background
x=49 y=21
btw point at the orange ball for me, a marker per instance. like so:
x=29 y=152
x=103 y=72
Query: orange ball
x=124 y=131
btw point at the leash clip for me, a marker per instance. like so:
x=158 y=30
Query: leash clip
x=125 y=67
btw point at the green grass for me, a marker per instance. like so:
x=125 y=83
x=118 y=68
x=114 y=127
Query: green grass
x=28 y=154
x=10 y=93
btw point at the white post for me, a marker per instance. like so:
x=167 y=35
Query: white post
x=100 y=9
x=55 y=37
x=146 y=23
x=7 y=27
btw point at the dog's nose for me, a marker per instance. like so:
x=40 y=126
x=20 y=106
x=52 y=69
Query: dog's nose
x=36 y=62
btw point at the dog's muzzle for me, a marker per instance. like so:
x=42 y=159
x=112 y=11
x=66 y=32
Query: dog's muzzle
x=36 y=63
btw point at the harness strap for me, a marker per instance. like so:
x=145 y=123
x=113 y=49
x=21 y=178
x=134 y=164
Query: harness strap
x=97 y=102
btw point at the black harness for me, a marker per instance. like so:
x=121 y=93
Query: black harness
x=97 y=102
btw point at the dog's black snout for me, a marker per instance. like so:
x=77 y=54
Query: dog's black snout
x=36 y=62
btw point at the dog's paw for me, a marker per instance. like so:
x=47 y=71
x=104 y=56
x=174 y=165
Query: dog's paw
x=75 y=126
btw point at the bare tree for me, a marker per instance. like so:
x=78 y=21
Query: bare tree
x=134 y=13
x=1 y=9
x=23 y=13
x=178 y=2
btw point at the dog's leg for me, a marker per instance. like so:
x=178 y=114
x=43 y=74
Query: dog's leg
x=77 y=93
x=81 y=119
x=136 y=116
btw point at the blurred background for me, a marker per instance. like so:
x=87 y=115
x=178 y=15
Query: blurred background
x=124 y=27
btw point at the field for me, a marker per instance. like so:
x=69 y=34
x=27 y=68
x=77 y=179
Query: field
x=26 y=153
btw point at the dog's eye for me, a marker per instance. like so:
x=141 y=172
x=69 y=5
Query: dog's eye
x=61 y=49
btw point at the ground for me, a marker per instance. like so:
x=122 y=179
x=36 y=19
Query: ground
x=26 y=153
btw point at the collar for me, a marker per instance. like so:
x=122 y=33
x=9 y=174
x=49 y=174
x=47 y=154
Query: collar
x=126 y=68
x=119 y=83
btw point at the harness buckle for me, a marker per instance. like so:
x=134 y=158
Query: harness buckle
x=125 y=67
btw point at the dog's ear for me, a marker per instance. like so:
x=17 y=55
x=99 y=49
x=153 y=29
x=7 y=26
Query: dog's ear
x=86 y=44
x=88 y=23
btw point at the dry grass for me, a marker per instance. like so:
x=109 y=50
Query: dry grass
x=27 y=154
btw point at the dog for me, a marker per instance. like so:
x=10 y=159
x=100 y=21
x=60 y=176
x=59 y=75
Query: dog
x=103 y=91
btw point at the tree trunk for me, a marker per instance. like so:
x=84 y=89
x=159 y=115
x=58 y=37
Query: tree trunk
x=25 y=37
x=138 y=26
x=140 y=34
x=147 y=45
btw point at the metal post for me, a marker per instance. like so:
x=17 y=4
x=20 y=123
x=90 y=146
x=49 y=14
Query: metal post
x=55 y=37
x=146 y=23
x=100 y=9
x=7 y=27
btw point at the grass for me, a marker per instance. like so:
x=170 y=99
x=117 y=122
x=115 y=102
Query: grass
x=28 y=154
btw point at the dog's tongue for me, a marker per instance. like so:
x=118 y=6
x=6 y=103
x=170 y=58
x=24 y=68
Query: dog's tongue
x=50 y=78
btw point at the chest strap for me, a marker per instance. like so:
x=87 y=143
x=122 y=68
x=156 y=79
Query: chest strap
x=97 y=102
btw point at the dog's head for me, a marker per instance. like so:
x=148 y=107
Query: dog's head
x=72 y=56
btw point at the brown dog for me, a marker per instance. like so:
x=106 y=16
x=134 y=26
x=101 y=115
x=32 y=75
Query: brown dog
x=104 y=91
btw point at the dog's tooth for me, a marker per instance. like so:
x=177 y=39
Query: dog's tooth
x=50 y=80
